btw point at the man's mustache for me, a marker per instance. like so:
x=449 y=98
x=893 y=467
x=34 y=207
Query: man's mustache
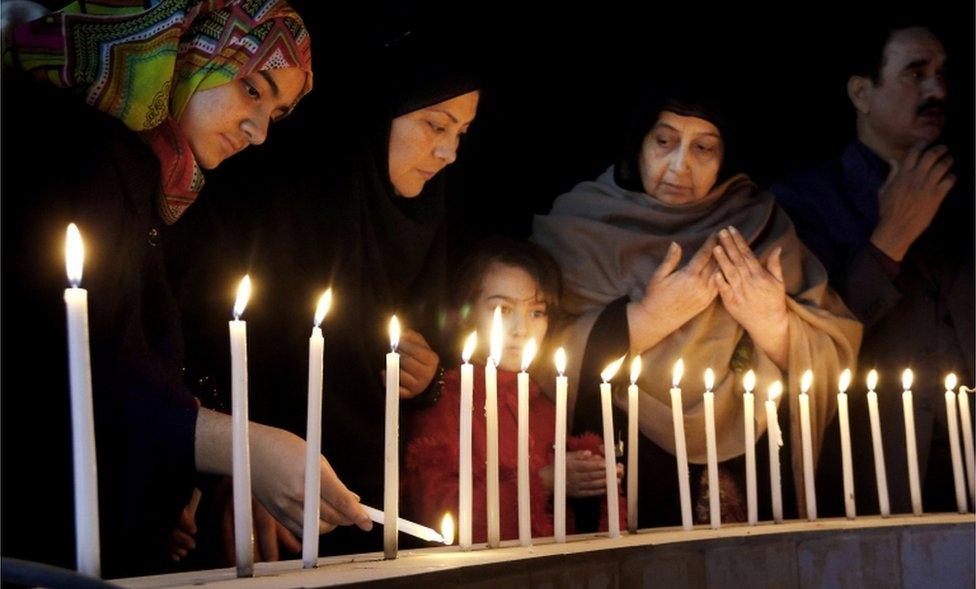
x=932 y=104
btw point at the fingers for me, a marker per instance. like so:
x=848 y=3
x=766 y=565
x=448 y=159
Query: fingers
x=331 y=515
x=184 y=541
x=775 y=265
x=702 y=257
x=669 y=263
x=728 y=269
x=911 y=159
x=265 y=534
x=186 y=522
x=945 y=185
x=416 y=348
x=722 y=286
x=287 y=540
x=747 y=254
x=342 y=499
x=930 y=157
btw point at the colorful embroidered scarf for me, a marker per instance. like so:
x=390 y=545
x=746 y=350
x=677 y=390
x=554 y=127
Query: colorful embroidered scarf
x=141 y=65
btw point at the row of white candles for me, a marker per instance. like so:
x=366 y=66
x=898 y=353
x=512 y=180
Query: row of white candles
x=85 y=478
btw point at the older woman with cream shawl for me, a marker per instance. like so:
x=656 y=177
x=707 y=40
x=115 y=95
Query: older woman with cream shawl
x=667 y=256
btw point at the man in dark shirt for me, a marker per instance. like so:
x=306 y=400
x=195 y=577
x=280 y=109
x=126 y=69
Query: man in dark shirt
x=898 y=247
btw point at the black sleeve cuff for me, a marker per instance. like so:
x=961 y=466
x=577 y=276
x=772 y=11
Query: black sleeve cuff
x=609 y=339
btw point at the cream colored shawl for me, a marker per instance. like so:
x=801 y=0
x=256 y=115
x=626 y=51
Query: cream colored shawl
x=608 y=241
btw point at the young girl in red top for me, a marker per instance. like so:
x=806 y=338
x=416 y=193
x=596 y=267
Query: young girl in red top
x=524 y=282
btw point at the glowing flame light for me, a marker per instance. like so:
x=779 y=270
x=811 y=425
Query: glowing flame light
x=677 y=373
x=322 y=309
x=394 y=333
x=469 y=346
x=74 y=255
x=709 y=379
x=243 y=294
x=775 y=390
x=872 y=380
x=844 y=381
x=749 y=381
x=610 y=371
x=496 y=337
x=906 y=379
x=447 y=529
x=805 y=381
x=561 y=361
x=528 y=353
x=950 y=381
x=635 y=369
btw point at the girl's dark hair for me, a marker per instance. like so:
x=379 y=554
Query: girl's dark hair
x=510 y=252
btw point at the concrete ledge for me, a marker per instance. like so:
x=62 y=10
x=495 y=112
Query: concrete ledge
x=903 y=551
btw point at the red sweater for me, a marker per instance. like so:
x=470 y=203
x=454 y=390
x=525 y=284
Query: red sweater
x=429 y=481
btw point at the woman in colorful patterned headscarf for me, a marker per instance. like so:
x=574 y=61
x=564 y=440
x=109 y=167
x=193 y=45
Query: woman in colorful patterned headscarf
x=178 y=86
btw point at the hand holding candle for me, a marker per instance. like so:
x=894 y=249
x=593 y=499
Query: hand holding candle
x=313 y=435
x=879 y=461
x=465 y=473
x=714 y=497
x=680 y=448
x=749 y=417
x=911 y=453
x=957 y=471
x=632 y=433
x=559 y=470
x=524 y=511
x=809 y=482
x=87 y=548
x=609 y=456
x=243 y=524
x=845 y=443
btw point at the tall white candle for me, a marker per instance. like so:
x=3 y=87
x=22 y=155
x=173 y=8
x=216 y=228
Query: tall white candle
x=632 y=433
x=87 y=547
x=967 y=441
x=524 y=509
x=680 y=449
x=850 y=509
x=491 y=428
x=313 y=436
x=749 y=418
x=957 y=470
x=714 y=495
x=809 y=488
x=609 y=454
x=241 y=451
x=391 y=462
x=464 y=468
x=775 y=438
x=914 y=484
x=559 y=469
x=880 y=475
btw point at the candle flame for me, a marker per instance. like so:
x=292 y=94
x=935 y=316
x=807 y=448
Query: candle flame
x=243 y=294
x=497 y=334
x=322 y=309
x=528 y=353
x=844 y=381
x=447 y=529
x=906 y=379
x=872 y=379
x=561 y=361
x=611 y=370
x=635 y=369
x=775 y=390
x=677 y=372
x=749 y=381
x=74 y=255
x=469 y=346
x=709 y=379
x=950 y=381
x=805 y=381
x=394 y=333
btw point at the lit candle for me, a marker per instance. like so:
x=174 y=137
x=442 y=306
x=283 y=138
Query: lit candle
x=313 y=436
x=714 y=495
x=464 y=472
x=967 y=440
x=406 y=526
x=524 y=511
x=749 y=413
x=775 y=438
x=632 y=408
x=957 y=471
x=87 y=548
x=680 y=450
x=911 y=453
x=391 y=462
x=809 y=484
x=844 y=381
x=559 y=469
x=609 y=455
x=491 y=427
x=243 y=527
x=879 y=464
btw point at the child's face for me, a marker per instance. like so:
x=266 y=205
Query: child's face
x=523 y=312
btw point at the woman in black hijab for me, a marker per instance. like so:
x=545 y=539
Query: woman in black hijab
x=366 y=216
